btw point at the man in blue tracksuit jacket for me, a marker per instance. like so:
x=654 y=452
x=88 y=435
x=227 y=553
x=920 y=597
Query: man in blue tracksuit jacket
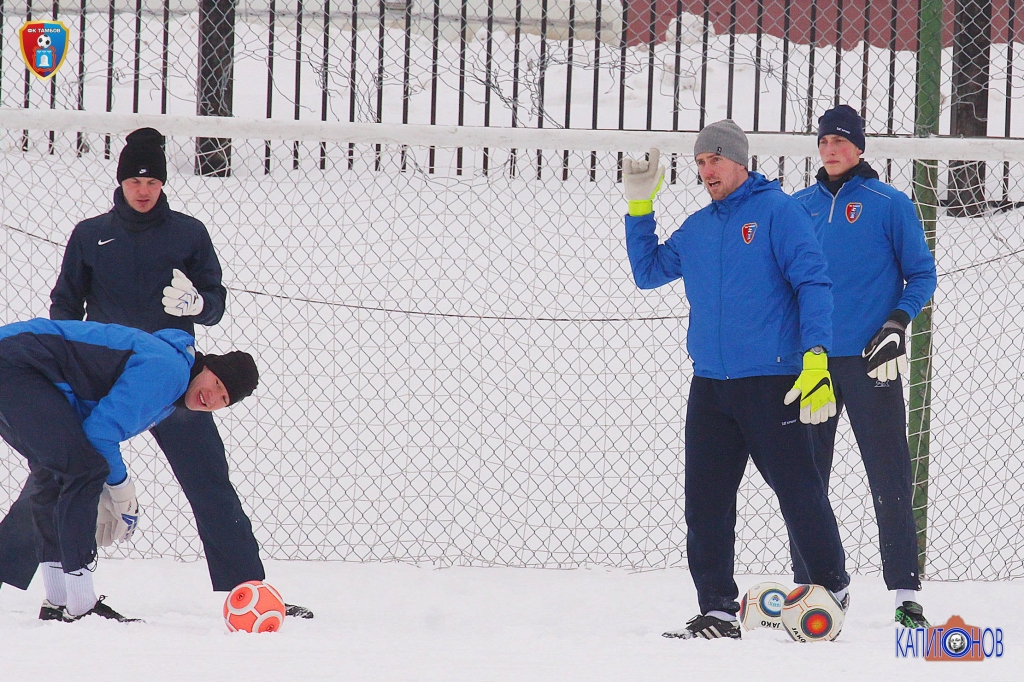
x=143 y=265
x=883 y=274
x=70 y=393
x=760 y=321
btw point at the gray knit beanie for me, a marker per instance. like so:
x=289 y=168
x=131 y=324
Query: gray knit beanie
x=723 y=138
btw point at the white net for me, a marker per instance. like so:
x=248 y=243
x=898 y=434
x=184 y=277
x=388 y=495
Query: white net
x=457 y=367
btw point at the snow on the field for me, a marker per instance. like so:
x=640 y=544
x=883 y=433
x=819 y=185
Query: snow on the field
x=402 y=480
x=391 y=622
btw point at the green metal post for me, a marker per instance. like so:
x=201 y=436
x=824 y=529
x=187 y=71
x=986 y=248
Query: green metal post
x=929 y=72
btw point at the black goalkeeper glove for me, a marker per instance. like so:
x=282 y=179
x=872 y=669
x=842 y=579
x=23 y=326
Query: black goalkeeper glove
x=886 y=352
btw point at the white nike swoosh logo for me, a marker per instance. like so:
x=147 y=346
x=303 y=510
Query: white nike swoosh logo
x=891 y=338
x=104 y=241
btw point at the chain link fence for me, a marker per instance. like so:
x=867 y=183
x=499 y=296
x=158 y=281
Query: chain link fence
x=457 y=368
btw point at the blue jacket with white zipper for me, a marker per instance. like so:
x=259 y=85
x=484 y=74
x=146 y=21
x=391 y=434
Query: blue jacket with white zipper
x=878 y=258
x=755 y=278
x=121 y=381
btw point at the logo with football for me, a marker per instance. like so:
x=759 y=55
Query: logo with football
x=254 y=606
x=748 y=231
x=812 y=614
x=853 y=211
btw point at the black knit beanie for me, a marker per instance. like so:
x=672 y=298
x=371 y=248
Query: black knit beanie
x=143 y=156
x=843 y=121
x=236 y=370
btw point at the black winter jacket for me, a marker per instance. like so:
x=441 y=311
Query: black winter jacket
x=116 y=266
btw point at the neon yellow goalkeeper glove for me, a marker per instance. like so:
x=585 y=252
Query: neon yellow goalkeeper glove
x=814 y=388
x=641 y=182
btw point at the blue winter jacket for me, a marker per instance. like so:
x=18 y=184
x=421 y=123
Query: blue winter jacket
x=874 y=243
x=122 y=381
x=755 y=278
x=116 y=266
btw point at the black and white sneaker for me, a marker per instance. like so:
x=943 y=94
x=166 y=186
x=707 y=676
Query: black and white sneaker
x=296 y=611
x=102 y=610
x=910 y=614
x=50 y=611
x=706 y=627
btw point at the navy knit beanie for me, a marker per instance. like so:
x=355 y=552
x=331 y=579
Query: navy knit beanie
x=843 y=121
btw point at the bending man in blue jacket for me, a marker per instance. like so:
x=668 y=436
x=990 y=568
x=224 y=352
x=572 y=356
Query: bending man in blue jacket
x=143 y=265
x=760 y=321
x=883 y=273
x=70 y=393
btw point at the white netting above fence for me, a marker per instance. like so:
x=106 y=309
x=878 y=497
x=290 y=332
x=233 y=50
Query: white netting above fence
x=457 y=367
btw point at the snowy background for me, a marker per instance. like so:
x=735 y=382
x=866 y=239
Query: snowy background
x=460 y=374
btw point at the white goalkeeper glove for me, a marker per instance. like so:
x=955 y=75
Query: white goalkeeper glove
x=118 y=513
x=181 y=298
x=641 y=182
x=886 y=352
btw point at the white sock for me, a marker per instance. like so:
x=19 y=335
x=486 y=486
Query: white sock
x=81 y=595
x=906 y=595
x=722 y=615
x=53 y=582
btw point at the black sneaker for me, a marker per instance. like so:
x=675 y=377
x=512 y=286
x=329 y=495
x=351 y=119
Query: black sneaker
x=707 y=627
x=101 y=609
x=911 y=615
x=296 y=611
x=50 y=611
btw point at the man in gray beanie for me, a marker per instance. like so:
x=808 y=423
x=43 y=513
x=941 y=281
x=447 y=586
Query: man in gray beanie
x=760 y=321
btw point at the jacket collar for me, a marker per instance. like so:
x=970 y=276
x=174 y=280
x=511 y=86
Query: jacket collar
x=861 y=170
x=133 y=220
x=754 y=183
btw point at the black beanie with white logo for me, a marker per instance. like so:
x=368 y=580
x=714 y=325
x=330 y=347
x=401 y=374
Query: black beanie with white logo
x=143 y=156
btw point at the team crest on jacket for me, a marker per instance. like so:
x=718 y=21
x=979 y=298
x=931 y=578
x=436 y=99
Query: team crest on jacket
x=853 y=211
x=748 y=231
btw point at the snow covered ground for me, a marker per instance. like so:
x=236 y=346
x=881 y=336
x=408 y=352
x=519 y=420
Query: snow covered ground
x=398 y=622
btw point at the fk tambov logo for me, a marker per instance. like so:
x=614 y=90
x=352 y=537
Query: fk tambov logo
x=853 y=211
x=44 y=45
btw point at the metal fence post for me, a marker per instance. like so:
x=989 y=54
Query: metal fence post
x=215 y=82
x=929 y=55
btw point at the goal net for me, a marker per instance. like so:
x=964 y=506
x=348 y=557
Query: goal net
x=456 y=366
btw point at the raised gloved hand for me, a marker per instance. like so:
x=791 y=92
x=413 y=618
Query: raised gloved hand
x=886 y=352
x=641 y=182
x=814 y=388
x=181 y=298
x=118 y=513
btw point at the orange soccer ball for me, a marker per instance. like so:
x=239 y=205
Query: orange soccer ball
x=254 y=606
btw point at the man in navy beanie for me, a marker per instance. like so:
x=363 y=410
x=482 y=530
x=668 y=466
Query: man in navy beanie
x=146 y=266
x=882 y=273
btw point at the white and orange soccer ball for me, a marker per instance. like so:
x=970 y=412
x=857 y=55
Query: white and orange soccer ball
x=254 y=606
x=761 y=606
x=812 y=614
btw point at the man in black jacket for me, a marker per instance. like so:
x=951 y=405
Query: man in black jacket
x=143 y=265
